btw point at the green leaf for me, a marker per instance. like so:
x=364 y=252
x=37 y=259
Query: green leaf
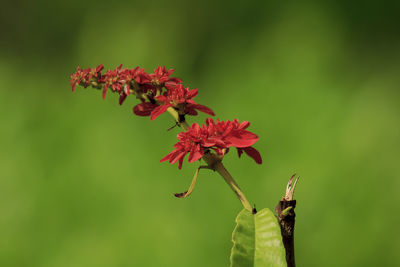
x=257 y=240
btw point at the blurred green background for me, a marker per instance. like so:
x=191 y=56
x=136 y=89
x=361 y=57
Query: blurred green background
x=81 y=183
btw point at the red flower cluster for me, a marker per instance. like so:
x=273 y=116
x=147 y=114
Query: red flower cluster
x=219 y=136
x=85 y=76
x=157 y=91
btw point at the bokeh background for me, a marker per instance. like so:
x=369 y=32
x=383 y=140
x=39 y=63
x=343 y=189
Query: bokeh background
x=80 y=178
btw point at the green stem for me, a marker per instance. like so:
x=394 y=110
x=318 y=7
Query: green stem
x=175 y=115
x=220 y=168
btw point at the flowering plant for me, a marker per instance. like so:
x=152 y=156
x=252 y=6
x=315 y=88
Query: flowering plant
x=158 y=93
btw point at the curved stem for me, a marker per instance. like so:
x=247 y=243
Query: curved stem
x=220 y=168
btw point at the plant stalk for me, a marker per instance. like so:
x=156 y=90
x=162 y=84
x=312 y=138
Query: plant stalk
x=220 y=168
x=286 y=218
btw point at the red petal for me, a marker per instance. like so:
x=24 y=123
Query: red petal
x=177 y=156
x=192 y=93
x=122 y=98
x=203 y=109
x=142 y=78
x=144 y=109
x=126 y=89
x=240 y=152
x=196 y=128
x=247 y=135
x=180 y=163
x=167 y=157
x=253 y=153
x=244 y=125
x=175 y=80
x=210 y=121
x=169 y=72
x=195 y=154
x=242 y=138
x=74 y=85
x=99 y=68
x=170 y=86
x=105 y=91
x=212 y=141
x=158 y=111
x=189 y=102
x=161 y=98
x=190 y=111
x=240 y=142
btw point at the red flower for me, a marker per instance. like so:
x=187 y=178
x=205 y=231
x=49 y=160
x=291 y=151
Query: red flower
x=85 y=76
x=144 y=109
x=180 y=98
x=77 y=77
x=96 y=73
x=152 y=85
x=111 y=78
x=127 y=76
x=219 y=136
x=160 y=78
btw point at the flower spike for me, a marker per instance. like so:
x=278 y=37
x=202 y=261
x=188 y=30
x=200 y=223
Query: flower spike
x=157 y=91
